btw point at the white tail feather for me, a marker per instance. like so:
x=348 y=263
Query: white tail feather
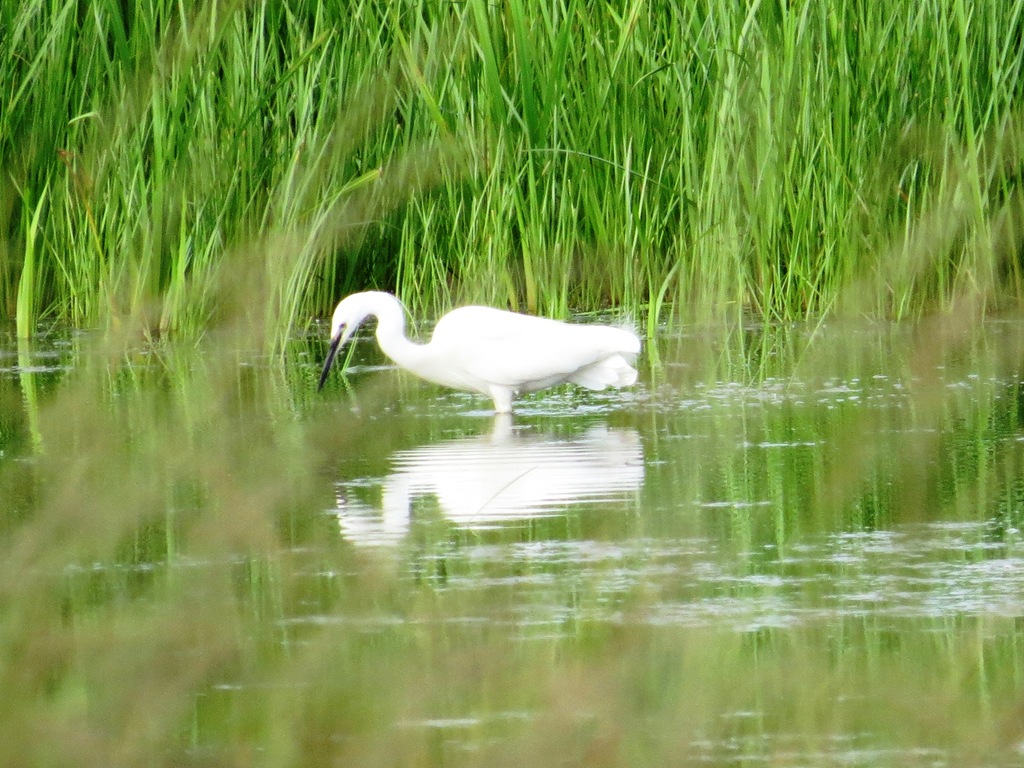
x=612 y=371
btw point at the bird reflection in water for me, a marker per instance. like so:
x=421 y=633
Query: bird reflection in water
x=483 y=481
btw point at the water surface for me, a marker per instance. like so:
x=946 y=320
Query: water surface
x=785 y=546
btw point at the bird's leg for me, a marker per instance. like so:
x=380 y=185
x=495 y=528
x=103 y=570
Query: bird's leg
x=502 y=397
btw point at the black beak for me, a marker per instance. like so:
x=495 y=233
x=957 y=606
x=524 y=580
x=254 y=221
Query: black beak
x=335 y=343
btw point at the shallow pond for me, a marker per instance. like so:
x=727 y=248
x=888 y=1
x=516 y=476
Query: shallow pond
x=785 y=546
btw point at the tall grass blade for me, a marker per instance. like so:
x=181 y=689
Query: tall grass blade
x=29 y=284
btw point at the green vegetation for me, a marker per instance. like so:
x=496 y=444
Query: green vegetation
x=174 y=587
x=718 y=158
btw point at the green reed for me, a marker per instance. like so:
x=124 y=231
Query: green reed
x=238 y=166
x=718 y=159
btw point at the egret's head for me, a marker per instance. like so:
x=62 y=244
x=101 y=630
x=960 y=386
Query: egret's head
x=347 y=317
x=350 y=314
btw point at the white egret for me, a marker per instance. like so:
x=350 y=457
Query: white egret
x=491 y=351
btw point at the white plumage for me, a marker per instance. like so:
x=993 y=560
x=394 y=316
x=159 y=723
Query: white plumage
x=496 y=353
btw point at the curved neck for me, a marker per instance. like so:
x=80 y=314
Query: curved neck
x=391 y=334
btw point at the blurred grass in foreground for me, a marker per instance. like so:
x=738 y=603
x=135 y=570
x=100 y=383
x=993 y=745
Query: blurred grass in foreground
x=172 y=593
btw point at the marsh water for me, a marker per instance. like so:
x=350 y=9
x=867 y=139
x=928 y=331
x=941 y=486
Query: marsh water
x=784 y=546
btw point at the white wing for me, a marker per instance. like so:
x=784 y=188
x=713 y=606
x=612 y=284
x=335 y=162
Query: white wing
x=489 y=346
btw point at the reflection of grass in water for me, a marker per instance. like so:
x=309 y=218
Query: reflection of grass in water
x=171 y=593
x=155 y=485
